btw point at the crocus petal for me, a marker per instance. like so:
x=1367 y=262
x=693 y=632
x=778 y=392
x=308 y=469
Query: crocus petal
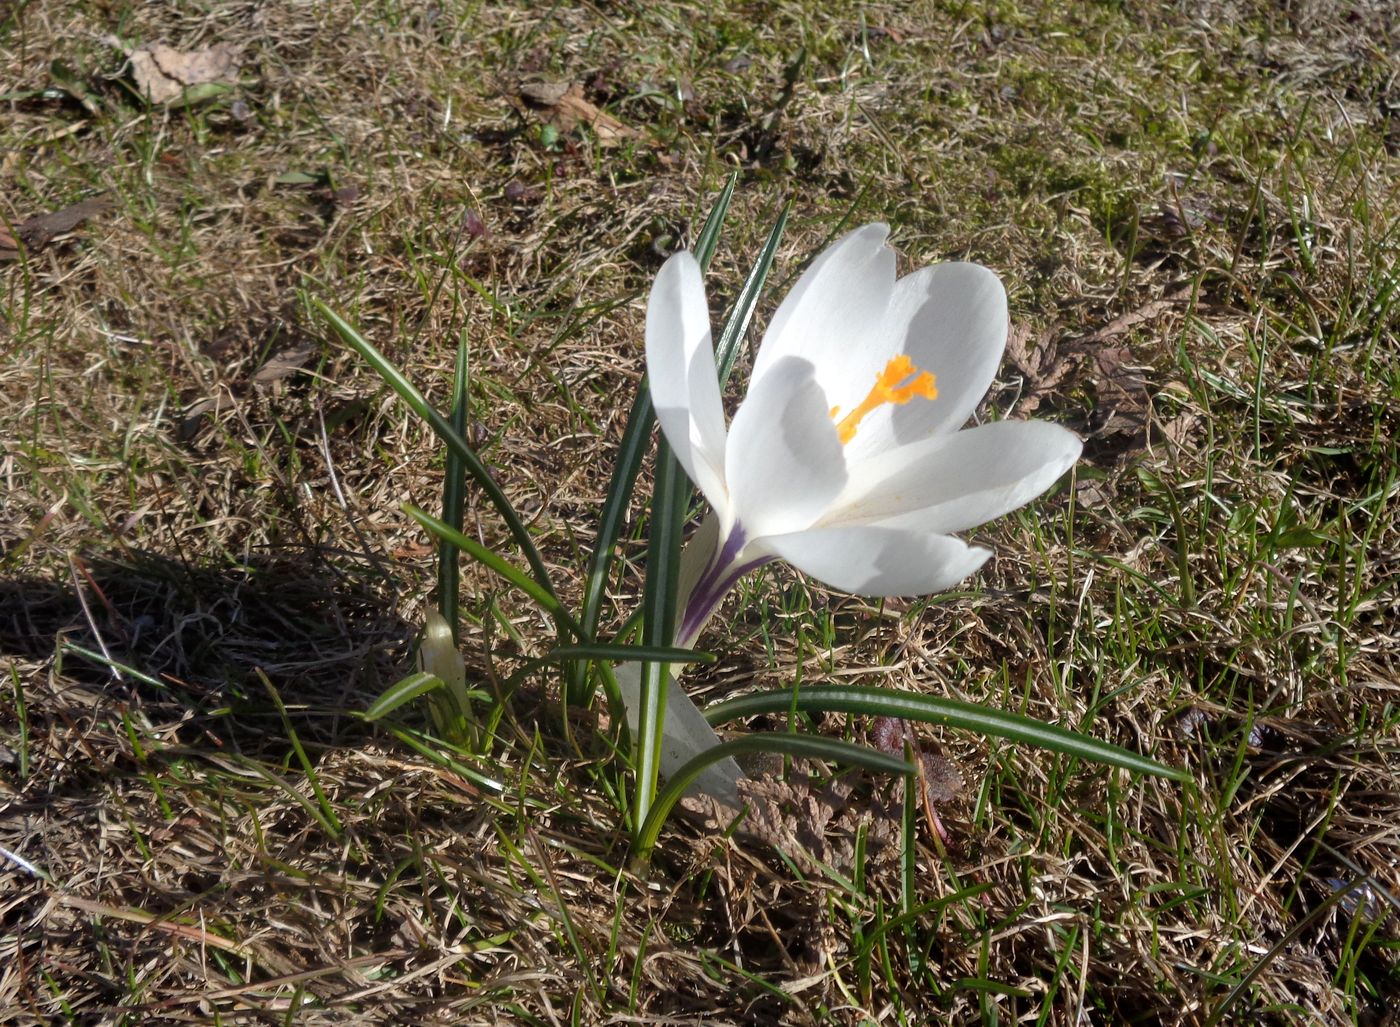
x=699 y=550
x=681 y=372
x=875 y=561
x=955 y=482
x=784 y=463
x=951 y=321
x=829 y=315
x=686 y=734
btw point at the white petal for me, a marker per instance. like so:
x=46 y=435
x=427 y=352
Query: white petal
x=681 y=372
x=955 y=482
x=951 y=320
x=695 y=558
x=832 y=315
x=784 y=464
x=685 y=735
x=873 y=561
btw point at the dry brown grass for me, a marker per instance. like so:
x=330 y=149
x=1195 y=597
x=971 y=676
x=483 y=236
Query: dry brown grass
x=1195 y=213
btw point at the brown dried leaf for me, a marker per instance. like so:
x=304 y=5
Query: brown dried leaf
x=887 y=734
x=41 y=229
x=1122 y=397
x=564 y=106
x=1092 y=492
x=942 y=777
x=1040 y=361
x=284 y=363
x=162 y=73
x=193 y=416
x=1147 y=312
x=814 y=826
x=1121 y=392
x=1179 y=429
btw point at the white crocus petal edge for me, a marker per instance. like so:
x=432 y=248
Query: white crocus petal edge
x=686 y=734
x=878 y=561
x=681 y=374
x=829 y=315
x=784 y=463
x=955 y=482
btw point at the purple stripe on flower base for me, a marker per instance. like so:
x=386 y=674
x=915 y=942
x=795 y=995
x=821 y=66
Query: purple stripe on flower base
x=720 y=575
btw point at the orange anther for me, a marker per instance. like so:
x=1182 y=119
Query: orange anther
x=898 y=383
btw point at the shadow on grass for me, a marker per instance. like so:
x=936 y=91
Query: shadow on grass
x=189 y=641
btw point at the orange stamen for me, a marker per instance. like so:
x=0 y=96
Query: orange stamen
x=899 y=382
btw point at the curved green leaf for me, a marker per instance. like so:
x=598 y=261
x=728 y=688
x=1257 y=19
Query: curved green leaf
x=539 y=593
x=669 y=497
x=708 y=239
x=454 y=494
x=889 y=702
x=402 y=692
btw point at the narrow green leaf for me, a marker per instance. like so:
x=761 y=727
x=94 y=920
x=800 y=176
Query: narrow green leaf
x=888 y=702
x=451 y=438
x=636 y=437
x=615 y=653
x=669 y=498
x=708 y=240
x=402 y=692
x=21 y=709
x=111 y=664
x=313 y=810
x=904 y=920
x=908 y=839
x=731 y=338
x=797 y=746
x=495 y=562
x=454 y=494
x=1303 y=926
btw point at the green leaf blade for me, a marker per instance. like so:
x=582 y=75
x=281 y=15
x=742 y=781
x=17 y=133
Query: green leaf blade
x=887 y=702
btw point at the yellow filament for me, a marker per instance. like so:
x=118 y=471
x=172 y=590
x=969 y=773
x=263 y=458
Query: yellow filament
x=899 y=382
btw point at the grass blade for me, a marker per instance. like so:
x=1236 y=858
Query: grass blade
x=797 y=746
x=435 y=751
x=416 y=402
x=909 y=853
x=327 y=815
x=454 y=495
x=1279 y=947
x=887 y=702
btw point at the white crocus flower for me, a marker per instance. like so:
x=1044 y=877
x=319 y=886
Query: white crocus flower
x=845 y=457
